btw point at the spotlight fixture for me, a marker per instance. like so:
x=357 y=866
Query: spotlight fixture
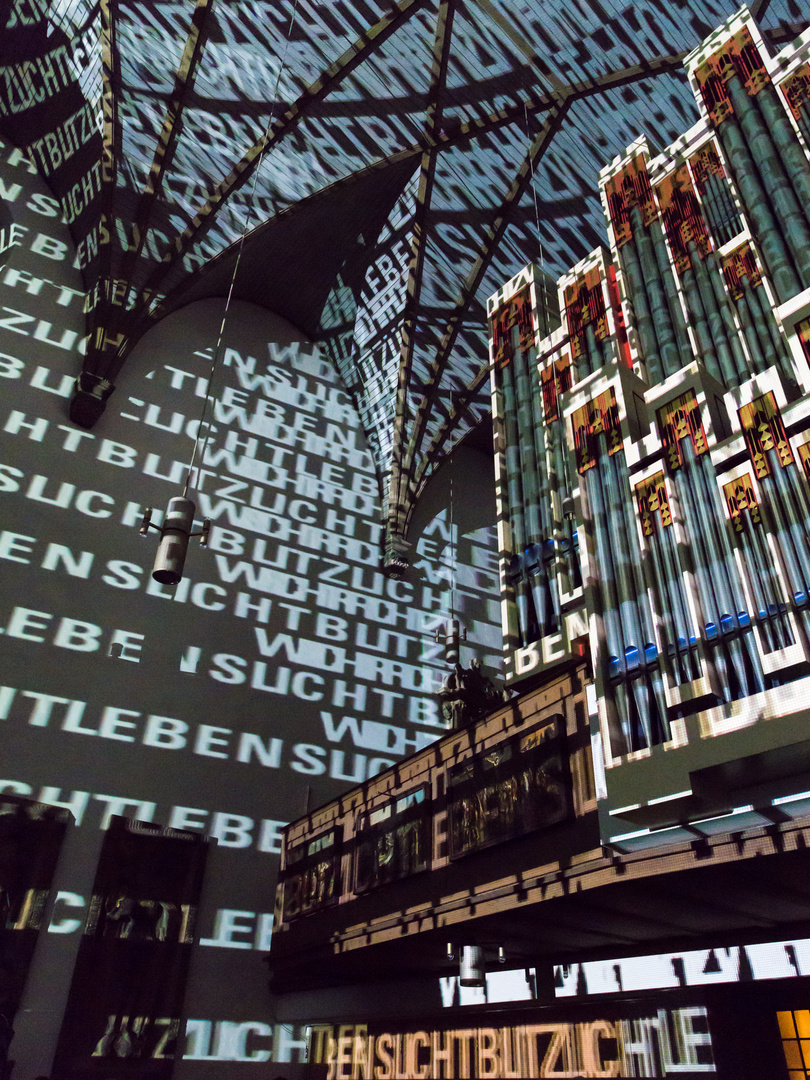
x=471 y=968
x=175 y=533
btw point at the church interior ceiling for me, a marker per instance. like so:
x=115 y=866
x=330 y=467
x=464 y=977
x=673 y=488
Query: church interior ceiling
x=371 y=171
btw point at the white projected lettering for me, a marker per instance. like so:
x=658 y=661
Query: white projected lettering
x=283 y=660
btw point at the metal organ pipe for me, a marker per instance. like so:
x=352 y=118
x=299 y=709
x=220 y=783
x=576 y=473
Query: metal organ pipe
x=641 y=316
x=656 y=296
x=739 y=362
x=783 y=361
x=777 y=186
x=716 y=326
x=769 y=239
x=787 y=145
x=758 y=362
x=700 y=325
x=515 y=495
x=673 y=299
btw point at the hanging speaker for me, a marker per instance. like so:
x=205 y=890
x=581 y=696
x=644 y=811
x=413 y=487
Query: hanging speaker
x=174 y=534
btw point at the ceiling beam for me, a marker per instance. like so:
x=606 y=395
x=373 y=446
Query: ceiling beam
x=366 y=45
x=440 y=60
x=169 y=135
x=452 y=420
x=403 y=459
x=100 y=346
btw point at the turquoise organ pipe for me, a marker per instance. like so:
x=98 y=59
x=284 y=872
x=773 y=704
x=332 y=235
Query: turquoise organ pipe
x=593 y=349
x=700 y=325
x=787 y=145
x=757 y=359
x=515 y=500
x=560 y=480
x=769 y=240
x=769 y=354
x=778 y=187
x=725 y=218
x=714 y=318
x=803 y=122
x=540 y=451
x=656 y=296
x=536 y=493
x=722 y=300
x=712 y=214
x=673 y=298
x=783 y=358
x=640 y=312
x=526 y=448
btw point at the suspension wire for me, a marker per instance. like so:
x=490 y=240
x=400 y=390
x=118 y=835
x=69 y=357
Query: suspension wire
x=537 y=220
x=240 y=248
x=453 y=551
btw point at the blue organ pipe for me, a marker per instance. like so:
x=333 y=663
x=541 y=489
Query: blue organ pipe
x=710 y=570
x=722 y=300
x=633 y=604
x=669 y=558
x=757 y=359
x=777 y=186
x=764 y=585
x=701 y=327
x=771 y=245
x=795 y=514
x=622 y=557
x=585 y=364
x=673 y=298
x=667 y=600
x=604 y=556
x=631 y=726
x=640 y=311
x=626 y=520
x=796 y=581
x=656 y=296
x=746 y=661
x=714 y=318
